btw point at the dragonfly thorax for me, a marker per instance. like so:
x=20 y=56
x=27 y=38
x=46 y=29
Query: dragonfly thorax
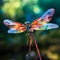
x=27 y=24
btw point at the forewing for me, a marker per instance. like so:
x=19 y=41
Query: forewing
x=45 y=18
x=46 y=27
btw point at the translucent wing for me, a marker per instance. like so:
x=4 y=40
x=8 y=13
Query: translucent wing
x=46 y=27
x=45 y=18
x=15 y=27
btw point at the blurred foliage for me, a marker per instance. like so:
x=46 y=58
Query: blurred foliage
x=13 y=46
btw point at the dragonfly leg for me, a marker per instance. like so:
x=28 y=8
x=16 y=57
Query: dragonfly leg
x=27 y=35
x=36 y=46
x=37 y=50
x=30 y=43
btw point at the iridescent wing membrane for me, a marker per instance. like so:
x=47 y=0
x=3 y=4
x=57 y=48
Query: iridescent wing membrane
x=38 y=24
x=14 y=27
x=42 y=23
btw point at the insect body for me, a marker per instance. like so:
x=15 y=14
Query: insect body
x=38 y=24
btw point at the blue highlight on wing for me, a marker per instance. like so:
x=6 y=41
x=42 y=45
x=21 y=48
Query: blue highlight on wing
x=12 y=31
x=50 y=26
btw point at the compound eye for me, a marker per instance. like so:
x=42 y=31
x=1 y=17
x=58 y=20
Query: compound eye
x=27 y=23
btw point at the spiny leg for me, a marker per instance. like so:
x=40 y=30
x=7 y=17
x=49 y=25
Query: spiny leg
x=36 y=46
x=37 y=49
x=30 y=44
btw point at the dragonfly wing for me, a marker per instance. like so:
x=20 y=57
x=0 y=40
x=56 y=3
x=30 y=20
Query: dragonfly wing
x=46 y=26
x=45 y=18
x=14 y=26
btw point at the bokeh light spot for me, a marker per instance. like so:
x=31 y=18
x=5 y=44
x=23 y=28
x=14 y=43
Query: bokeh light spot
x=37 y=10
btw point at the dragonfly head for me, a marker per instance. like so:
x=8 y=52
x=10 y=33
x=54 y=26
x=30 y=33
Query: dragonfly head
x=27 y=23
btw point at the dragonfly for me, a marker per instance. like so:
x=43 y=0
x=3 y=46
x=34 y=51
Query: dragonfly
x=38 y=24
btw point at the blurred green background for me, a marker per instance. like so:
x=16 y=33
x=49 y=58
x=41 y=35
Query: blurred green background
x=13 y=46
